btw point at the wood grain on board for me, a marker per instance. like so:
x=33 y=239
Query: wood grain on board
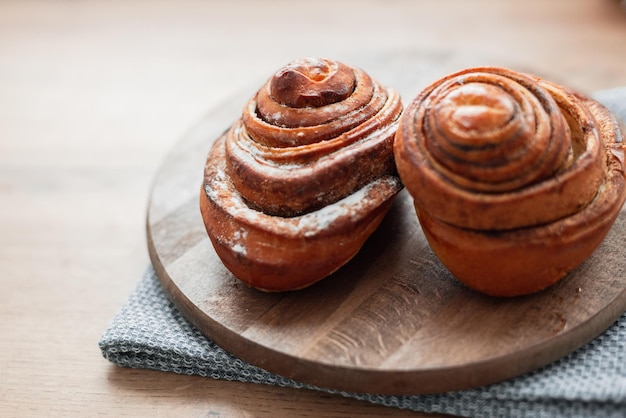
x=393 y=320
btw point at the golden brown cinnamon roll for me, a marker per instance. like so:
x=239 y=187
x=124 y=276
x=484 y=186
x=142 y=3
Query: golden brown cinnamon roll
x=515 y=180
x=295 y=187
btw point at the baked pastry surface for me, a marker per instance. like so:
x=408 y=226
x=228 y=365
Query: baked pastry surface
x=294 y=188
x=515 y=180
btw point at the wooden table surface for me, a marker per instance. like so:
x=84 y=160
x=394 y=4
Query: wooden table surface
x=93 y=94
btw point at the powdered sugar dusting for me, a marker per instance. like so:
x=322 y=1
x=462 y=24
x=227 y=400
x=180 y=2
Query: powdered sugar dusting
x=351 y=209
x=237 y=244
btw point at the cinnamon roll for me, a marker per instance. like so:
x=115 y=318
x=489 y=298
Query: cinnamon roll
x=295 y=187
x=515 y=180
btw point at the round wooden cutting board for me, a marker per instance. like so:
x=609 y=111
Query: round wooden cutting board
x=393 y=320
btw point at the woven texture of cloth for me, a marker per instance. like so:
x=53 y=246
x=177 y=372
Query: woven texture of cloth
x=149 y=332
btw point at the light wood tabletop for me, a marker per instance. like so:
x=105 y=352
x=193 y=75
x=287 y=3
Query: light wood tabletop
x=93 y=95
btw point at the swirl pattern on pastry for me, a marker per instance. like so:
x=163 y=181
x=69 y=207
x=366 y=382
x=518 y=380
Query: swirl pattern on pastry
x=314 y=133
x=297 y=184
x=504 y=167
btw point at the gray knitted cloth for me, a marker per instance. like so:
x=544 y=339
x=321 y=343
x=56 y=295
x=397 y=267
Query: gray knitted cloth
x=149 y=332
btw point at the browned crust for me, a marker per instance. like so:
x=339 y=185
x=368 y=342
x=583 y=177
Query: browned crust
x=275 y=253
x=295 y=187
x=522 y=240
x=286 y=169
